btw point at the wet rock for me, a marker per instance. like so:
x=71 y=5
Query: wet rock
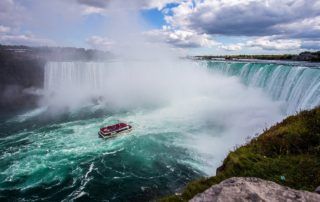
x=317 y=190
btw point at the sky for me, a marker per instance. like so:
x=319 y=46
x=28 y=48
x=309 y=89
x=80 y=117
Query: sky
x=198 y=27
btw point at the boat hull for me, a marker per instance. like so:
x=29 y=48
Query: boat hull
x=114 y=134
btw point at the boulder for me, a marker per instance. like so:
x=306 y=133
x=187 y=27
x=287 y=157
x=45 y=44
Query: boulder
x=252 y=189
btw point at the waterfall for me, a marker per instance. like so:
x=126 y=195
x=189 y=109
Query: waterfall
x=82 y=75
x=74 y=83
x=297 y=86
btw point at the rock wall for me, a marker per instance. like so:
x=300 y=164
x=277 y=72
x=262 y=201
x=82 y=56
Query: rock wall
x=22 y=71
x=253 y=189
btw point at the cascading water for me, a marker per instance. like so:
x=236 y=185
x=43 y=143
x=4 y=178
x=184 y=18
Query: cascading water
x=88 y=75
x=185 y=119
x=297 y=86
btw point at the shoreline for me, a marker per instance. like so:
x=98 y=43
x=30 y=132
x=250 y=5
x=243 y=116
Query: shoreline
x=287 y=153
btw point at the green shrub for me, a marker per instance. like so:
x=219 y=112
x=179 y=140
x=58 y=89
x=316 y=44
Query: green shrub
x=287 y=153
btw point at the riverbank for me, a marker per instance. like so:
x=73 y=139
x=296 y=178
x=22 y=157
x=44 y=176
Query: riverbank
x=287 y=153
x=304 y=56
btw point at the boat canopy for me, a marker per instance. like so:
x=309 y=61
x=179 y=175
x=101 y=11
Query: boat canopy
x=114 y=127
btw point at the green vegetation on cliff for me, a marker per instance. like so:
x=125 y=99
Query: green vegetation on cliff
x=287 y=153
x=304 y=56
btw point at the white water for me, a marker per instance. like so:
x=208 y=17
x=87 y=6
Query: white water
x=298 y=87
x=185 y=118
x=212 y=111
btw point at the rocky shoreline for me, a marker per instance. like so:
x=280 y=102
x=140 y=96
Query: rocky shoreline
x=253 y=189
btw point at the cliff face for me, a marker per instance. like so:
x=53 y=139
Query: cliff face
x=287 y=153
x=22 y=71
x=253 y=189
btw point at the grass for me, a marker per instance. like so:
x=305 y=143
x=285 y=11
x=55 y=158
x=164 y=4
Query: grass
x=287 y=153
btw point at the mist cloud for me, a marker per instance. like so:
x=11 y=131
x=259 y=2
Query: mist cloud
x=151 y=83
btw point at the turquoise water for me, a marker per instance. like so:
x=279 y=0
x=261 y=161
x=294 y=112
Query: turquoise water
x=185 y=121
x=63 y=158
x=298 y=85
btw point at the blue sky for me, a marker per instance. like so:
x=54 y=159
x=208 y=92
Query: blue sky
x=154 y=17
x=195 y=26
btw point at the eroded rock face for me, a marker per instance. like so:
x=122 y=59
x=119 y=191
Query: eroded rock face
x=253 y=189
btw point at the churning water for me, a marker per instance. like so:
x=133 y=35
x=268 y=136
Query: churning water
x=185 y=120
x=297 y=86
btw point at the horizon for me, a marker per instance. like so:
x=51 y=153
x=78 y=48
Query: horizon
x=107 y=51
x=192 y=27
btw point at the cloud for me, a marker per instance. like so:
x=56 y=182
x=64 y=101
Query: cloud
x=101 y=43
x=11 y=13
x=241 y=17
x=182 y=38
x=160 y=4
x=88 y=10
x=310 y=45
x=308 y=28
x=142 y=4
x=268 y=43
x=267 y=24
x=26 y=39
x=274 y=24
x=4 y=29
x=94 y=3
x=232 y=47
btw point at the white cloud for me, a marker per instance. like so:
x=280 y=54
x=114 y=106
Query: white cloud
x=270 y=24
x=232 y=47
x=275 y=24
x=182 y=38
x=160 y=4
x=305 y=28
x=11 y=13
x=240 y=17
x=26 y=39
x=98 y=42
x=141 y=4
x=88 y=10
x=268 y=43
x=4 y=29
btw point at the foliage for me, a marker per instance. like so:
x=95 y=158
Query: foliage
x=288 y=153
x=304 y=56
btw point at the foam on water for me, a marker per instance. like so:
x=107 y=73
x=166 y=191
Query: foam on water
x=297 y=86
x=185 y=121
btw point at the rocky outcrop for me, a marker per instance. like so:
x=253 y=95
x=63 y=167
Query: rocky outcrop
x=22 y=71
x=253 y=189
x=287 y=154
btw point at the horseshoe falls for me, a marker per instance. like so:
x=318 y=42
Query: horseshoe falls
x=185 y=119
x=298 y=86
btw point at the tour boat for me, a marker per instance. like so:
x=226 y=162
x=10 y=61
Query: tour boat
x=114 y=130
